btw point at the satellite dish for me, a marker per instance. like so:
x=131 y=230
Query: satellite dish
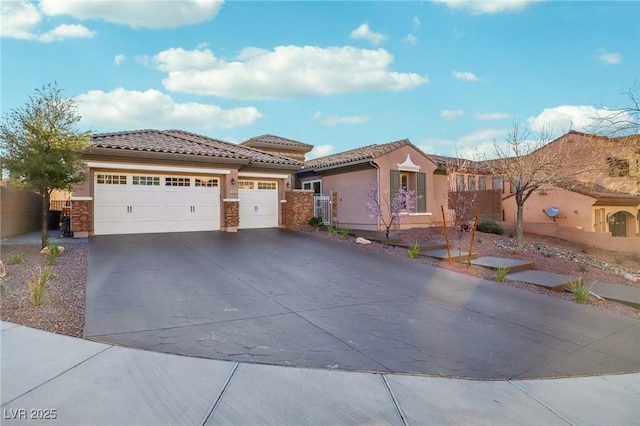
x=552 y=212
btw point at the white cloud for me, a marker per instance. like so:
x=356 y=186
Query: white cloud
x=465 y=76
x=480 y=7
x=20 y=20
x=451 y=114
x=410 y=39
x=122 y=108
x=65 y=31
x=284 y=73
x=491 y=116
x=334 y=120
x=416 y=22
x=363 y=32
x=118 y=59
x=320 y=151
x=178 y=59
x=136 y=14
x=609 y=58
x=561 y=119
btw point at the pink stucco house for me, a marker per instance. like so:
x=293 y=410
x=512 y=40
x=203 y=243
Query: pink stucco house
x=390 y=166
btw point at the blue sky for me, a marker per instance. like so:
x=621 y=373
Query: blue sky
x=451 y=76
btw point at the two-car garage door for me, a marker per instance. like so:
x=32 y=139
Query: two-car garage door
x=137 y=203
x=128 y=203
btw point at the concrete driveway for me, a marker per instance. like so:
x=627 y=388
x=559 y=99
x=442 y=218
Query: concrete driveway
x=277 y=297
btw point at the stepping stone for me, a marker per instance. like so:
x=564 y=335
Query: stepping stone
x=513 y=265
x=555 y=282
x=456 y=256
x=618 y=293
x=422 y=245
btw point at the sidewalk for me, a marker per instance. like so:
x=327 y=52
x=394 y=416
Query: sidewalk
x=76 y=382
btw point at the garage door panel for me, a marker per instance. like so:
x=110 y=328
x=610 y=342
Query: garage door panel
x=155 y=203
x=258 y=204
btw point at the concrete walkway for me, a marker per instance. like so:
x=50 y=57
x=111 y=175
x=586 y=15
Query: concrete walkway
x=78 y=382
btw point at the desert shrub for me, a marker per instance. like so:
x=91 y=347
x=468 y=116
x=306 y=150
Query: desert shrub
x=414 y=250
x=52 y=253
x=16 y=259
x=315 y=222
x=345 y=233
x=580 y=291
x=37 y=284
x=330 y=230
x=489 y=226
x=501 y=274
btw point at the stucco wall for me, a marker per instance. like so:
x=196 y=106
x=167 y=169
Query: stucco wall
x=576 y=210
x=20 y=212
x=351 y=189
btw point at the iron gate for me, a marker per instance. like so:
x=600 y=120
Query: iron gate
x=322 y=208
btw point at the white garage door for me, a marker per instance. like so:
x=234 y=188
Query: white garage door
x=145 y=203
x=258 y=204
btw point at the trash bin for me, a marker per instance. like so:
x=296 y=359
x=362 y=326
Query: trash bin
x=54 y=220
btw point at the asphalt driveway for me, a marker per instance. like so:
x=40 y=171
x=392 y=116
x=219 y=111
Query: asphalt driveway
x=278 y=297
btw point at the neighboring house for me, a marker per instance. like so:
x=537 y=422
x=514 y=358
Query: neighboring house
x=349 y=175
x=605 y=199
x=150 y=181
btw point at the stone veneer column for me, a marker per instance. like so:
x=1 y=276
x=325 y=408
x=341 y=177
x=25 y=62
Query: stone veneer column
x=81 y=217
x=298 y=208
x=231 y=214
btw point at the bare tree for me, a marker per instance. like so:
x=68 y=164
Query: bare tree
x=390 y=209
x=462 y=201
x=621 y=122
x=530 y=163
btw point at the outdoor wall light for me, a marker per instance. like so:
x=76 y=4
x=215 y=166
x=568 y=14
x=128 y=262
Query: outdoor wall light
x=233 y=181
x=288 y=185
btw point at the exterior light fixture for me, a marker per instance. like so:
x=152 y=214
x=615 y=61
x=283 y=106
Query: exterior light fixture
x=233 y=181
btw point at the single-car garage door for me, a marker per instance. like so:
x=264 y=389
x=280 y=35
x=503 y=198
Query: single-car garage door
x=258 y=204
x=128 y=203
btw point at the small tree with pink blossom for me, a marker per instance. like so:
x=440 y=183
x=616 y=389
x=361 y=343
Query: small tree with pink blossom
x=390 y=209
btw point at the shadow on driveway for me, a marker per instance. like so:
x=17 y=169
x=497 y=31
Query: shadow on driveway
x=278 y=297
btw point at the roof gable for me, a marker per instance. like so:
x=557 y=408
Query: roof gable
x=271 y=141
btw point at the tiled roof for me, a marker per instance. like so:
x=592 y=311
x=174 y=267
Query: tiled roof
x=597 y=191
x=277 y=141
x=181 y=142
x=364 y=153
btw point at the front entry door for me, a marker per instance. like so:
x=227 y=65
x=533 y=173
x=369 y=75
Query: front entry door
x=619 y=226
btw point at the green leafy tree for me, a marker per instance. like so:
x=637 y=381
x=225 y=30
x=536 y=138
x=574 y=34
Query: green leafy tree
x=41 y=146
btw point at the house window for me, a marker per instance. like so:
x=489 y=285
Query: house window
x=177 y=181
x=496 y=183
x=460 y=183
x=471 y=183
x=411 y=181
x=316 y=185
x=267 y=185
x=111 y=179
x=209 y=183
x=482 y=183
x=146 y=180
x=618 y=167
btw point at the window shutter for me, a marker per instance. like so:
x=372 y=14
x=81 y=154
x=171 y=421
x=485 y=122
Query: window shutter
x=394 y=183
x=421 y=203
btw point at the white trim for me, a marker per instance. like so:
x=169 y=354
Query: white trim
x=81 y=198
x=263 y=175
x=408 y=165
x=158 y=168
x=227 y=200
x=283 y=201
x=421 y=214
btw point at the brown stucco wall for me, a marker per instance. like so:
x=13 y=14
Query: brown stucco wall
x=20 y=212
x=351 y=198
x=297 y=209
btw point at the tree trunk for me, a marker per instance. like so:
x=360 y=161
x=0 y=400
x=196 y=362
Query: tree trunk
x=45 y=217
x=519 y=226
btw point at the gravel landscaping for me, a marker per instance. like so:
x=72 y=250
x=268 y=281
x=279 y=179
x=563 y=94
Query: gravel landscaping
x=63 y=307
